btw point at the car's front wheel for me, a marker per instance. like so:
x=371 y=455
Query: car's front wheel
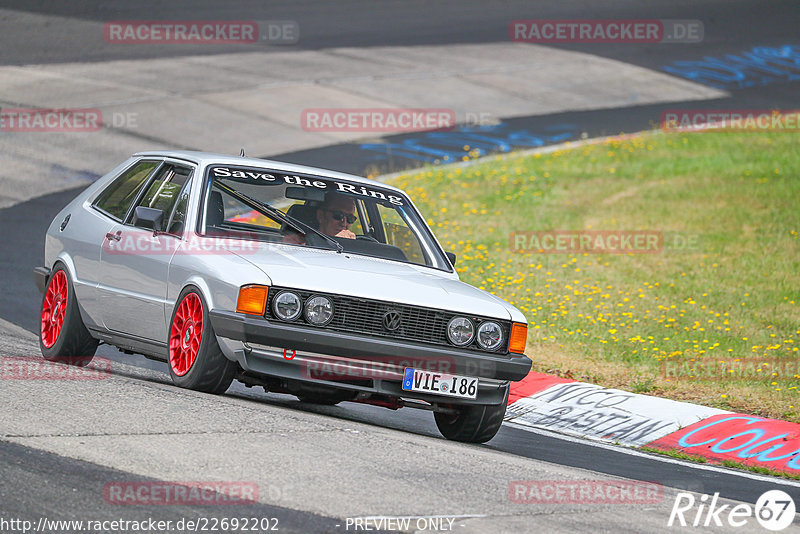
x=62 y=334
x=195 y=359
x=472 y=423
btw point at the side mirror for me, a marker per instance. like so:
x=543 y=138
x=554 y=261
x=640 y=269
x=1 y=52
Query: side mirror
x=452 y=257
x=151 y=218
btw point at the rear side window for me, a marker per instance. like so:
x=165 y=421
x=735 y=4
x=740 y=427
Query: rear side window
x=165 y=188
x=117 y=198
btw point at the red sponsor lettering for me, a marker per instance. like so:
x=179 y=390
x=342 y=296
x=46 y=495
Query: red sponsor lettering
x=743 y=438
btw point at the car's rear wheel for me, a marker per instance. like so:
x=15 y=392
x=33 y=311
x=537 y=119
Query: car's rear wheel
x=195 y=359
x=62 y=334
x=472 y=423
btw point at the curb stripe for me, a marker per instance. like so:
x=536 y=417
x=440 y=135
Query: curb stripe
x=590 y=411
x=532 y=384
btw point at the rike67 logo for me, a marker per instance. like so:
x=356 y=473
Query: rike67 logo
x=774 y=510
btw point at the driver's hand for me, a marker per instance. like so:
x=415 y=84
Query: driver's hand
x=346 y=233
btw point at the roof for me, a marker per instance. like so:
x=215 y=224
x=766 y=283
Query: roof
x=209 y=158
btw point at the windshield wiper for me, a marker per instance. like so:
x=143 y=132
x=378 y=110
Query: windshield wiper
x=326 y=237
x=297 y=224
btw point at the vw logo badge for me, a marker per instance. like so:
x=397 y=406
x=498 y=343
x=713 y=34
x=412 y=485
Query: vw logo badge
x=391 y=320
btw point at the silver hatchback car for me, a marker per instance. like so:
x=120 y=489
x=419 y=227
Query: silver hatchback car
x=319 y=284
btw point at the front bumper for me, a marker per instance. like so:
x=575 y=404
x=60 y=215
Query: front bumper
x=258 y=330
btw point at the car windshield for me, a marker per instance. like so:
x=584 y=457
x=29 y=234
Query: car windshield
x=266 y=205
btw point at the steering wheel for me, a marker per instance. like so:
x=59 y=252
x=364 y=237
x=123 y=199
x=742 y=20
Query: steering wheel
x=367 y=238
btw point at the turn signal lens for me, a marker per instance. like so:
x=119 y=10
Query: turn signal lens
x=519 y=335
x=252 y=300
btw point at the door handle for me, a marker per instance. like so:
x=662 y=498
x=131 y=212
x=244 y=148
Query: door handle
x=115 y=237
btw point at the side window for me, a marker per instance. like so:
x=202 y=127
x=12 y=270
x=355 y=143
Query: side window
x=117 y=198
x=164 y=189
x=400 y=235
x=359 y=227
x=177 y=222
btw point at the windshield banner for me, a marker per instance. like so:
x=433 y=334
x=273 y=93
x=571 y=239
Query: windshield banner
x=262 y=177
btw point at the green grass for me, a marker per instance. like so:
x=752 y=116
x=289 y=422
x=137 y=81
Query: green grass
x=677 y=454
x=618 y=318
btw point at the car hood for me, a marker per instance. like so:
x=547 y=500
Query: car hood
x=360 y=276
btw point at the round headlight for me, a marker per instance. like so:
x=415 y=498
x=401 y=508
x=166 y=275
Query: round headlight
x=460 y=331
x=490 y=335
x=287 y=306
x=319 y=310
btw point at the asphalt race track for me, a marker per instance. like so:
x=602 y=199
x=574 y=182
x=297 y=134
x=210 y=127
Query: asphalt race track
x=63 y=442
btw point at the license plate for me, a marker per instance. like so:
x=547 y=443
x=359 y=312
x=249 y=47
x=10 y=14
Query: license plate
x=465 y=387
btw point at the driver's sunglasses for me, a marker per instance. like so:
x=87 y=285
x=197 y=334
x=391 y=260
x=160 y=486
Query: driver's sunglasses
x=341 y=216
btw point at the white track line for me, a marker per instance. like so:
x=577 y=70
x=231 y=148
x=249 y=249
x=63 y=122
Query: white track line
x=656 y=457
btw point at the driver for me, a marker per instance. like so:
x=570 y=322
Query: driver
x=334 y=217
x=336 y=214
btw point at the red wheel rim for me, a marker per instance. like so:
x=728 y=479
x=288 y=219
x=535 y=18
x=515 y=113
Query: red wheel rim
x=54 y=308
x=186 y=334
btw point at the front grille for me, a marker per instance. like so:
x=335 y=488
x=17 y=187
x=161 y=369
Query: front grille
x=365 y=316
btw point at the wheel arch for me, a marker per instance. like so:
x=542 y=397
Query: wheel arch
x=199 y=283
x=66 y=260
x=63 y=258
x=218 y=292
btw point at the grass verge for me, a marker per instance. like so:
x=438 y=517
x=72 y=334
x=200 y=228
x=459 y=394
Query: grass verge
x=710 y=317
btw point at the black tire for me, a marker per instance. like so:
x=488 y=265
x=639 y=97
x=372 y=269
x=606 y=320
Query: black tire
x=209 y=371
x=472 y=424
x=73 y=343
